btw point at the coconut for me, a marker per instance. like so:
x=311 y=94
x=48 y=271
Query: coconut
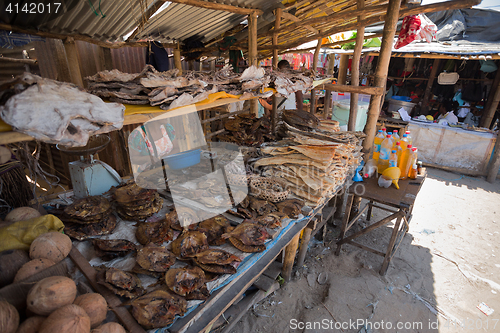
x=10 y=262
x=32 y=267
x=95 y=305
x=110 y=328
x=50 y=294
x=22 y=214
x=51 y=245
x=31 y=325
x=9 y=318
x=69 y=318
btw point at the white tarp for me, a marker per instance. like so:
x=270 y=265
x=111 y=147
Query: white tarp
x=452 y=147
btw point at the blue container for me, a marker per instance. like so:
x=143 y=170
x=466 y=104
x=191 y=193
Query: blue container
x=184 y=159
x=402 y=98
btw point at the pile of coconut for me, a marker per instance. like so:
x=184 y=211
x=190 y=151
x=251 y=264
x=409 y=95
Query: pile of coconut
x=52 y=303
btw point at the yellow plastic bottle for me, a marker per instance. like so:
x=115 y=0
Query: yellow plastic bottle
x=399 y=152
x=410 y=140
x=376 y=145
x=385 y=152
x=412 y=160
x=405 y=165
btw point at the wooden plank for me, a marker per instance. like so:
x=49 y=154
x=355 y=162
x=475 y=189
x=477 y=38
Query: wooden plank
x=273 y=270
x=265 y=283
x=207 y=313
x=219 y=6
x=73 y=61
x=290 y=252
x=11 y=137
x=20 y=61
x=391 y=19
x=366 y=248
x=387 y=257
x=352 y=89
x=113 y=301
x=304 y=243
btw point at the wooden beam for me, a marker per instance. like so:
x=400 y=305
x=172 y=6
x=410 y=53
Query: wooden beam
x=274 y=111
x=87 y=39
x=381 y=72
x=290 y=252
x=21 y=61
x=352 y=89
x=105 y=59
x=145 y=19
x=315 y=67
x=294 y=18
x=73 y=61
x=492 y=102
x=353 y=112
x=177 y=60
x=60 y=59
x=252 y=54
x=219 y=6
x=428 y=88
x=344 y=63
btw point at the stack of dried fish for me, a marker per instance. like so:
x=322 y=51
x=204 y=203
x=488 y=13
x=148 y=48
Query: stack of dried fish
x=158 y=308
x=153 y=260
x=287 y=81
x=87 y=217
x=247 y=130
x=313 y=169
x=189 y=282
x=135 y=203
x=108 y=249
x=120 y=282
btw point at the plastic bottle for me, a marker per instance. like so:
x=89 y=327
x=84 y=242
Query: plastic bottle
x=370 y=168
x=392 y=138
x=384 y=131
x=393 y=159
x=376 y=144
x=385 y=152
x=404 y=165
x=399 y=152
x=412 y=159
x=404 y=141
x=413 y=172
x=396 y=137
x=410 y=140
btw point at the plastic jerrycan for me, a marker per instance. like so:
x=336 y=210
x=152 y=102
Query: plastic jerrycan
x=385 y=152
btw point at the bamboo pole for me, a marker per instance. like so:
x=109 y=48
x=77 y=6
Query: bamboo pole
x=352 y=89
x=328 y=93
x=252 y=54
x=344 y=63
x=492 y=102
x=315 y=67
x=219 y=6
x=360 y=35
x=381 y=72
x=177 y=59
x=428 y=88
x=21 y=61
x=73 y=61
x=274 y=112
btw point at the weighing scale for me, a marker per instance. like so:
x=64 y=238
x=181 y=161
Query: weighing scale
x=88 y=175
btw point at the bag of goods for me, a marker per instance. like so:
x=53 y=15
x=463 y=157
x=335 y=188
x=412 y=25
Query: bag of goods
x=50 y=294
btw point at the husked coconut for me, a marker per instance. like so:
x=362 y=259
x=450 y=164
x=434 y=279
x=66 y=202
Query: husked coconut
x=51 y=245
x=32 y=267
x=50 y=294
x=95 y=305
x=31 y=325
x=22 y=214
x=69 y=318
x=10 y=262
x=9 y=317
x=109 y=328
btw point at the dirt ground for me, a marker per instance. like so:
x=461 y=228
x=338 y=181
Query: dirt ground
x=448 y=263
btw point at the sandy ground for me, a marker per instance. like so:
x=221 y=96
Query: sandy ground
x=448 y=263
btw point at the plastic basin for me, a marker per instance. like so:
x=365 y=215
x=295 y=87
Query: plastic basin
x=184 y=159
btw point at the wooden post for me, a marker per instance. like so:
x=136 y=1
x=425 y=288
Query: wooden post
x=290 y=252
x=492 y=102
x=328 y=93
x=105 y=59
x=360 y=39
x=73 y=61
x=177 y=59
x=427 y=94
x=315 y=67
x=391 y=20
x=252 y=54
x=274 y=112
x=306 y=237
x=344 y=63
x=495 y=161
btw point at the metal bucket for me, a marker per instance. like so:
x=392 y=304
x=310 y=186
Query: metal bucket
x=395 y=105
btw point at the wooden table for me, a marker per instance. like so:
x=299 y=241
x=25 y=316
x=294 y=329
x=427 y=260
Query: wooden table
x=397 y=202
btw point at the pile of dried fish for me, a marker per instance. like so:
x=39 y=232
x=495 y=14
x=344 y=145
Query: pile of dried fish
x=158 y=309
x=216 y=261
x=313 y=169
x=88 y=217
x=135 y=203
x=247 y=130
x=187 y=281
x=153 y=260
x=287 y=81
x=248 y=237
x=120 y=282
x=108 y=249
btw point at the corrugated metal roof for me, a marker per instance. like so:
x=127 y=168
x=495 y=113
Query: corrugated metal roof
x=175 y=22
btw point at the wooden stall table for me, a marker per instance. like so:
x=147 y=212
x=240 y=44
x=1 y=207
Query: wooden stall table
x=392 y=124
x=397 y=202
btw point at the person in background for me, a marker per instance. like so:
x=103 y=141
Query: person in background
x=293 y=101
